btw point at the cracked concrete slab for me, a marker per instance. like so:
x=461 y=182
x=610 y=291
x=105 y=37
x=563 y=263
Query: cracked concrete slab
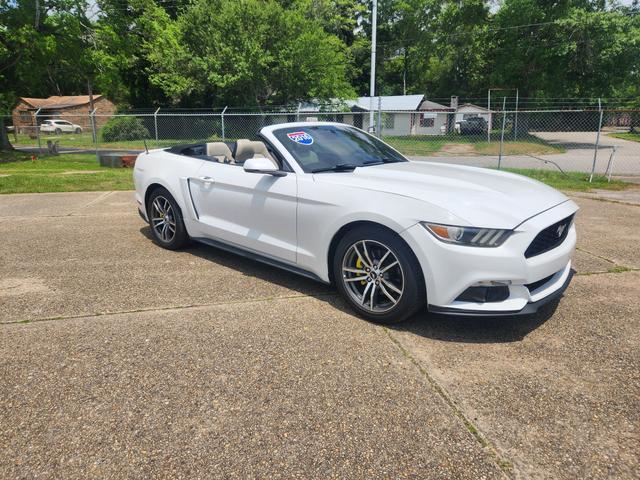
x=610 y=230
x=46 y=204
x=106 y=262
x=264 y=380
x=557 y=393
x=295 y=389
x=586 y=263
x=630 y=196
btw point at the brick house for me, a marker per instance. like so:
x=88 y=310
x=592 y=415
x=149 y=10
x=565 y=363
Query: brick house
x=74 y=109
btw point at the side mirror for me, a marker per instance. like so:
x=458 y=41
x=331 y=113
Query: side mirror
x=262 y=165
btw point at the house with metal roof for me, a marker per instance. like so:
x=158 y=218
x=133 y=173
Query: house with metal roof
x=406 y=114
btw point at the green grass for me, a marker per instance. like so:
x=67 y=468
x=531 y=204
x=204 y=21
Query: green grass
x=430 y=145
x=62 y=173
x=634 y=137
x=81 y=172
x=571 y=181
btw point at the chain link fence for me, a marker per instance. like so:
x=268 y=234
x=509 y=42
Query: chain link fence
x=585 y=140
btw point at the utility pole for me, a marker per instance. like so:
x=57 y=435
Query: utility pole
x=374 y=27
x=37 y=22
x=404 y=72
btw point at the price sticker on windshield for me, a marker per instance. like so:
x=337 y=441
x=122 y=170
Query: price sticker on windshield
x=303 y=138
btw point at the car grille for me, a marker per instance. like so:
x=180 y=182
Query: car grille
x=549 y=238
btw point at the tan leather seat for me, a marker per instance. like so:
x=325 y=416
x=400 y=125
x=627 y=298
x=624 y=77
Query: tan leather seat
x=246 y=149
x=220 y=151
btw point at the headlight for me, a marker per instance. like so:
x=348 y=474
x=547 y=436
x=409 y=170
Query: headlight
x=469 y=236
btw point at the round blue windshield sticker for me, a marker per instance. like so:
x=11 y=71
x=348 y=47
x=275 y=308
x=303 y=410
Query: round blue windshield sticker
x=303 y=138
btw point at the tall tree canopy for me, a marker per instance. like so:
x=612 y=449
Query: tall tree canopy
x=211 y=53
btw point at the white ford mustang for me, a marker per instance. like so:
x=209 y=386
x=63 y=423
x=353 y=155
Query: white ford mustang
x=333 y=203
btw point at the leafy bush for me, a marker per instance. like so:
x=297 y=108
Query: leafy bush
x=119 y=129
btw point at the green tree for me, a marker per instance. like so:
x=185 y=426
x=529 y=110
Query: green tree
x=579 y=49
x=248 y=52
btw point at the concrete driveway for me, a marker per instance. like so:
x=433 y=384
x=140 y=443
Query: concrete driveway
x=119 y=359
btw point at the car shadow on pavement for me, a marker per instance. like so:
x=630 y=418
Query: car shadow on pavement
x=253 y=268
x=477 y=329
x=438 y=327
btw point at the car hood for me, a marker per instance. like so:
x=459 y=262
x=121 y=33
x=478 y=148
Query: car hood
x=479 y=196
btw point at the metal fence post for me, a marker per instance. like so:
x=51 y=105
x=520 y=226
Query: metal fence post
x=155 y=122
x=610 y=163
x=298 y=112
x=379 y=126
x=38 y=130
x=92 y=116
x=490 y=116
x=515 y=120
x=595 y=150
x=222 y=121
x=94 y=133
x=504 y=116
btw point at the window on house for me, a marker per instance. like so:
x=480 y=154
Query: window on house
x=25 y=116
x=426 y=122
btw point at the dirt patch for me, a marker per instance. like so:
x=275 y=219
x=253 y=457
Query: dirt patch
x=457 y=149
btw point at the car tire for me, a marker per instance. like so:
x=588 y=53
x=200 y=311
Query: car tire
x=165 y=220
x=57 y=131
x=78 y=131
x=381 y=287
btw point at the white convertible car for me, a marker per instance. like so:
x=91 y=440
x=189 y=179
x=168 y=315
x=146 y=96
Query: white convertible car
x=331 y=202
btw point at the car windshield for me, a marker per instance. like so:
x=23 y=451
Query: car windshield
x=326 y=148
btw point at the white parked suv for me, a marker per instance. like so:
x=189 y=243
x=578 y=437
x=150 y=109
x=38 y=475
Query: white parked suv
x=331 y=202
x=59 y=126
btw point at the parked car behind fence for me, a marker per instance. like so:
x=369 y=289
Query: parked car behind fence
x=472 y=126
x=59 y=126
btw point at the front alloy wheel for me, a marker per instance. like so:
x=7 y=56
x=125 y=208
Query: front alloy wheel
x=378 y=275
x=165 y=219
x=373 y=276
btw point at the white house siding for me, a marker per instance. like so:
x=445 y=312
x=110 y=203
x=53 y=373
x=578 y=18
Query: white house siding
x=467 y=111
x=397 y=124
x=439 y=123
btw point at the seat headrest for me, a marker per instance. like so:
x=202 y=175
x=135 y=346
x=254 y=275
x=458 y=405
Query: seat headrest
x=246 y=149
x=220 y=151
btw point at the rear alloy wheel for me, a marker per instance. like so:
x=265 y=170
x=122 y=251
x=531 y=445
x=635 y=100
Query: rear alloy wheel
x=376 y=272
x=78 y=131
x=165 y=219
x=58 y=131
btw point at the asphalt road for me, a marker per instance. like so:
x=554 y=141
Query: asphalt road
x=119 y=359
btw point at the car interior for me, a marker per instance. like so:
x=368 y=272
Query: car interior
x=232 y=153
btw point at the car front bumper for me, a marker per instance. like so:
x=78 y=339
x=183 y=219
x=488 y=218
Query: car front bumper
x=449 y=270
